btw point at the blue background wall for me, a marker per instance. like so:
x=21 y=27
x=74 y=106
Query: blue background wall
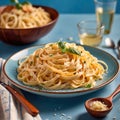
x=67 y=6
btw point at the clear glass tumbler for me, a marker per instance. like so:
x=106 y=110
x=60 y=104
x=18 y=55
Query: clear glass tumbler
x=90 y=32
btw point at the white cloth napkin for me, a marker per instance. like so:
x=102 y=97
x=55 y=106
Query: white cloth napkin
x=10 y=109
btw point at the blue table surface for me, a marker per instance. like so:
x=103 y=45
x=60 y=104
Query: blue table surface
x=70 y=108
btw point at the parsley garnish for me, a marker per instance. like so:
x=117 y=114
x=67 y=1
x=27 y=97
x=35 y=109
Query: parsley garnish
x=62 y=46
x=88 y=86
x=65 y=49
x=18 y=4
x=74 y=51
x=51 y=55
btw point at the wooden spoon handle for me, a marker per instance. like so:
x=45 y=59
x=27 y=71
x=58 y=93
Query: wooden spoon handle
x=117 y=90
x=27 y=105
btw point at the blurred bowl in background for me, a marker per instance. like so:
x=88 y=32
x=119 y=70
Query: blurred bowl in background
x=28 y=35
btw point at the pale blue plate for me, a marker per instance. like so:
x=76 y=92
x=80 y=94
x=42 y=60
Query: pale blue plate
x=11 y=64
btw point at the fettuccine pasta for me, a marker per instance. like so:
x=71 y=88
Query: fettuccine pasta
x=54 y=68
x=27 y=17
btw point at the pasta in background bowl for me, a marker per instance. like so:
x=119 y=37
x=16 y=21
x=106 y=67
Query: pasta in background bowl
x=12 y=64
x=18 y=27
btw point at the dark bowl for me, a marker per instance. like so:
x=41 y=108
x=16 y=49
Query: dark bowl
x=29 y=35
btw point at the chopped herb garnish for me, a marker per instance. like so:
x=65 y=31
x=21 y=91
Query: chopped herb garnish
x=65 y=49
x=18 y=4
x=88 y=86
x=62 y=46
x=74 y=51
x=51 y=55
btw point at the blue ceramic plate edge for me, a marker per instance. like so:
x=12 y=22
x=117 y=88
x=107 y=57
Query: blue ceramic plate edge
x=47 y=92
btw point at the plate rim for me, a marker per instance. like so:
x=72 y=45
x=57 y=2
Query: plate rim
x=54 y=92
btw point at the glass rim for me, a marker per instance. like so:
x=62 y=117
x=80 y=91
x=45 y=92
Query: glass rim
x=98 y=25
x=104 y=2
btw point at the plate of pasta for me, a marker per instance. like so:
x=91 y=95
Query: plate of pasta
x=61 y=69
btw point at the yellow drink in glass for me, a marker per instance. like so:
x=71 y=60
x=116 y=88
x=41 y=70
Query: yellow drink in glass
x=106 y=18
x=105 y=10
x=90 y=32
x=90 y=39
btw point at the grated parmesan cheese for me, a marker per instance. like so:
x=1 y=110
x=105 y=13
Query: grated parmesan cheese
x=98 y=106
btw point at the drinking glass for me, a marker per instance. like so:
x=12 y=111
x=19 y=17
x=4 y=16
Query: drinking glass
x=90 y=32
x=105 y=10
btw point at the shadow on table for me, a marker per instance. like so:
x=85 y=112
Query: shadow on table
x=48 y=104
x=85 y=116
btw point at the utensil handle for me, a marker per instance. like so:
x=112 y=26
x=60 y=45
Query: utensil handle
x=117 y=90
x=28 y=106
x=118 y=48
